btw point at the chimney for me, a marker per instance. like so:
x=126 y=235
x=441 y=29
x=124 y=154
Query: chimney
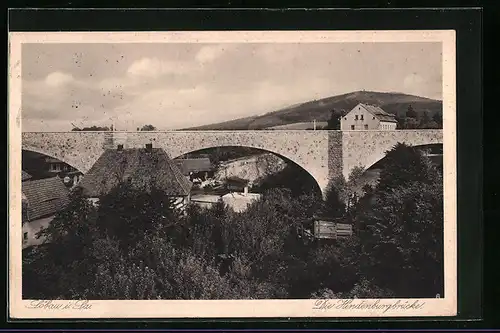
x=245 y=190
x=149 y=147
x=120 y=147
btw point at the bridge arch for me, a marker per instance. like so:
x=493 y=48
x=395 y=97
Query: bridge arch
x=379 y=157
x=54 y=154
x=78 y=149
x=365 y=148
x=289 y=160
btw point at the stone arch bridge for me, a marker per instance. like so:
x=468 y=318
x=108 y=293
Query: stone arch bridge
x=323 y=154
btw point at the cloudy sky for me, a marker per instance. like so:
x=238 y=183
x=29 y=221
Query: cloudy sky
x=180 y=85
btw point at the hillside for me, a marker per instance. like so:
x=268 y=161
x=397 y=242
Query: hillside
x=396 y=103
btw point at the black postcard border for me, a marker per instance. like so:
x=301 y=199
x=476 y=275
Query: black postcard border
x=468 y=26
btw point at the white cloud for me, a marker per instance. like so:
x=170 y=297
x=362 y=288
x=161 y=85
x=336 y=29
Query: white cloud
x=413 y=82
x=210 y=53
x=56 y=79
x=153 y=68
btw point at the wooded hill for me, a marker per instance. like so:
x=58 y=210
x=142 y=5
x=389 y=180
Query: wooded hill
x=320 y=110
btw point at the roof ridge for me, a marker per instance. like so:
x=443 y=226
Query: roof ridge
x=175 y=171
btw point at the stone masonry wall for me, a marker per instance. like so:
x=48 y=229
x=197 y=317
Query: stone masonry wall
x=365 y=148
x=324 y=154
x=78 y=149
x=309 y=149
x=335 y=161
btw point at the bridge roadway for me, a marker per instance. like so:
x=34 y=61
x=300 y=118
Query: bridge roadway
x=324 y=154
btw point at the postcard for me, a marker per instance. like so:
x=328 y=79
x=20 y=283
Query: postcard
x=234 y=174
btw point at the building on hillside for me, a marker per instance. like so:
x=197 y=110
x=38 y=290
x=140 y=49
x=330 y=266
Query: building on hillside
x=236 y=184
x=239 y=201
x=41 y=200
x=368 y=117
x=205 y=200
x=195 y=168
x=142 y=168
x=70 y=176
x=25 y=176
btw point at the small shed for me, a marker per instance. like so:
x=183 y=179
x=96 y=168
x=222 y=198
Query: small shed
x=328 y=228
x=237 y=184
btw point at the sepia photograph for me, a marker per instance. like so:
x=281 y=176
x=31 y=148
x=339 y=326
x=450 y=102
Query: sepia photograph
x=232 y=174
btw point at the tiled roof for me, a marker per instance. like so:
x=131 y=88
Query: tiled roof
x=25 y=175
x=141 y=168
x=44 y=197
x=379 y=113
x=187 y=165
x=237 y=180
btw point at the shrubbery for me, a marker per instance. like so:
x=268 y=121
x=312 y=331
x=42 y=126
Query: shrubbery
x=134 y=245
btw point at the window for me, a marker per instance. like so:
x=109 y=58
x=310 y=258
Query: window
x=361 y=117
x=356 y=117
x=366 y=126
x=55 y=167
x=25 y=236
x=352 y=127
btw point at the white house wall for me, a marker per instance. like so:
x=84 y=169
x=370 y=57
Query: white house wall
x=368 y=120
x=30 y=229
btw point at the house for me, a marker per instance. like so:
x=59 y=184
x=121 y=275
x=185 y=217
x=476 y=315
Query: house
x=236 y=184
x=41 y=200
x=205 y=200
x=239 y=201
x=25 y=176
x=368 y=117
x=195 y=168
x=142 y=168
x=71 y=176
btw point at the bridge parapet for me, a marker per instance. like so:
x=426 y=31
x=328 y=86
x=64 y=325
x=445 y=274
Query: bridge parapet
x=324 y=154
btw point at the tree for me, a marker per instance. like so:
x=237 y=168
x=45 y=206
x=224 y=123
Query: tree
x=291 y=177
x=92 y=128
x=341 y=195
x=425 y=119
x=410 y=123
x=438 y=119
x=400 y=122
x=411 y=113
x=404 y=164
x=148 y=128
x=334 y=121
x=127 y=214
x=63 y=266
x=404 y=237
x=433 y=125
x=402 y=229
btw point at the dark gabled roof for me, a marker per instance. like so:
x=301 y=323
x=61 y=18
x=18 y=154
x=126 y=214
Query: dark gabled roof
x=141 y=168
x=379 y=113
x=25 y=175
x=237 y=180
x=52 y=160
x=44 y=197
x=187 y=165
